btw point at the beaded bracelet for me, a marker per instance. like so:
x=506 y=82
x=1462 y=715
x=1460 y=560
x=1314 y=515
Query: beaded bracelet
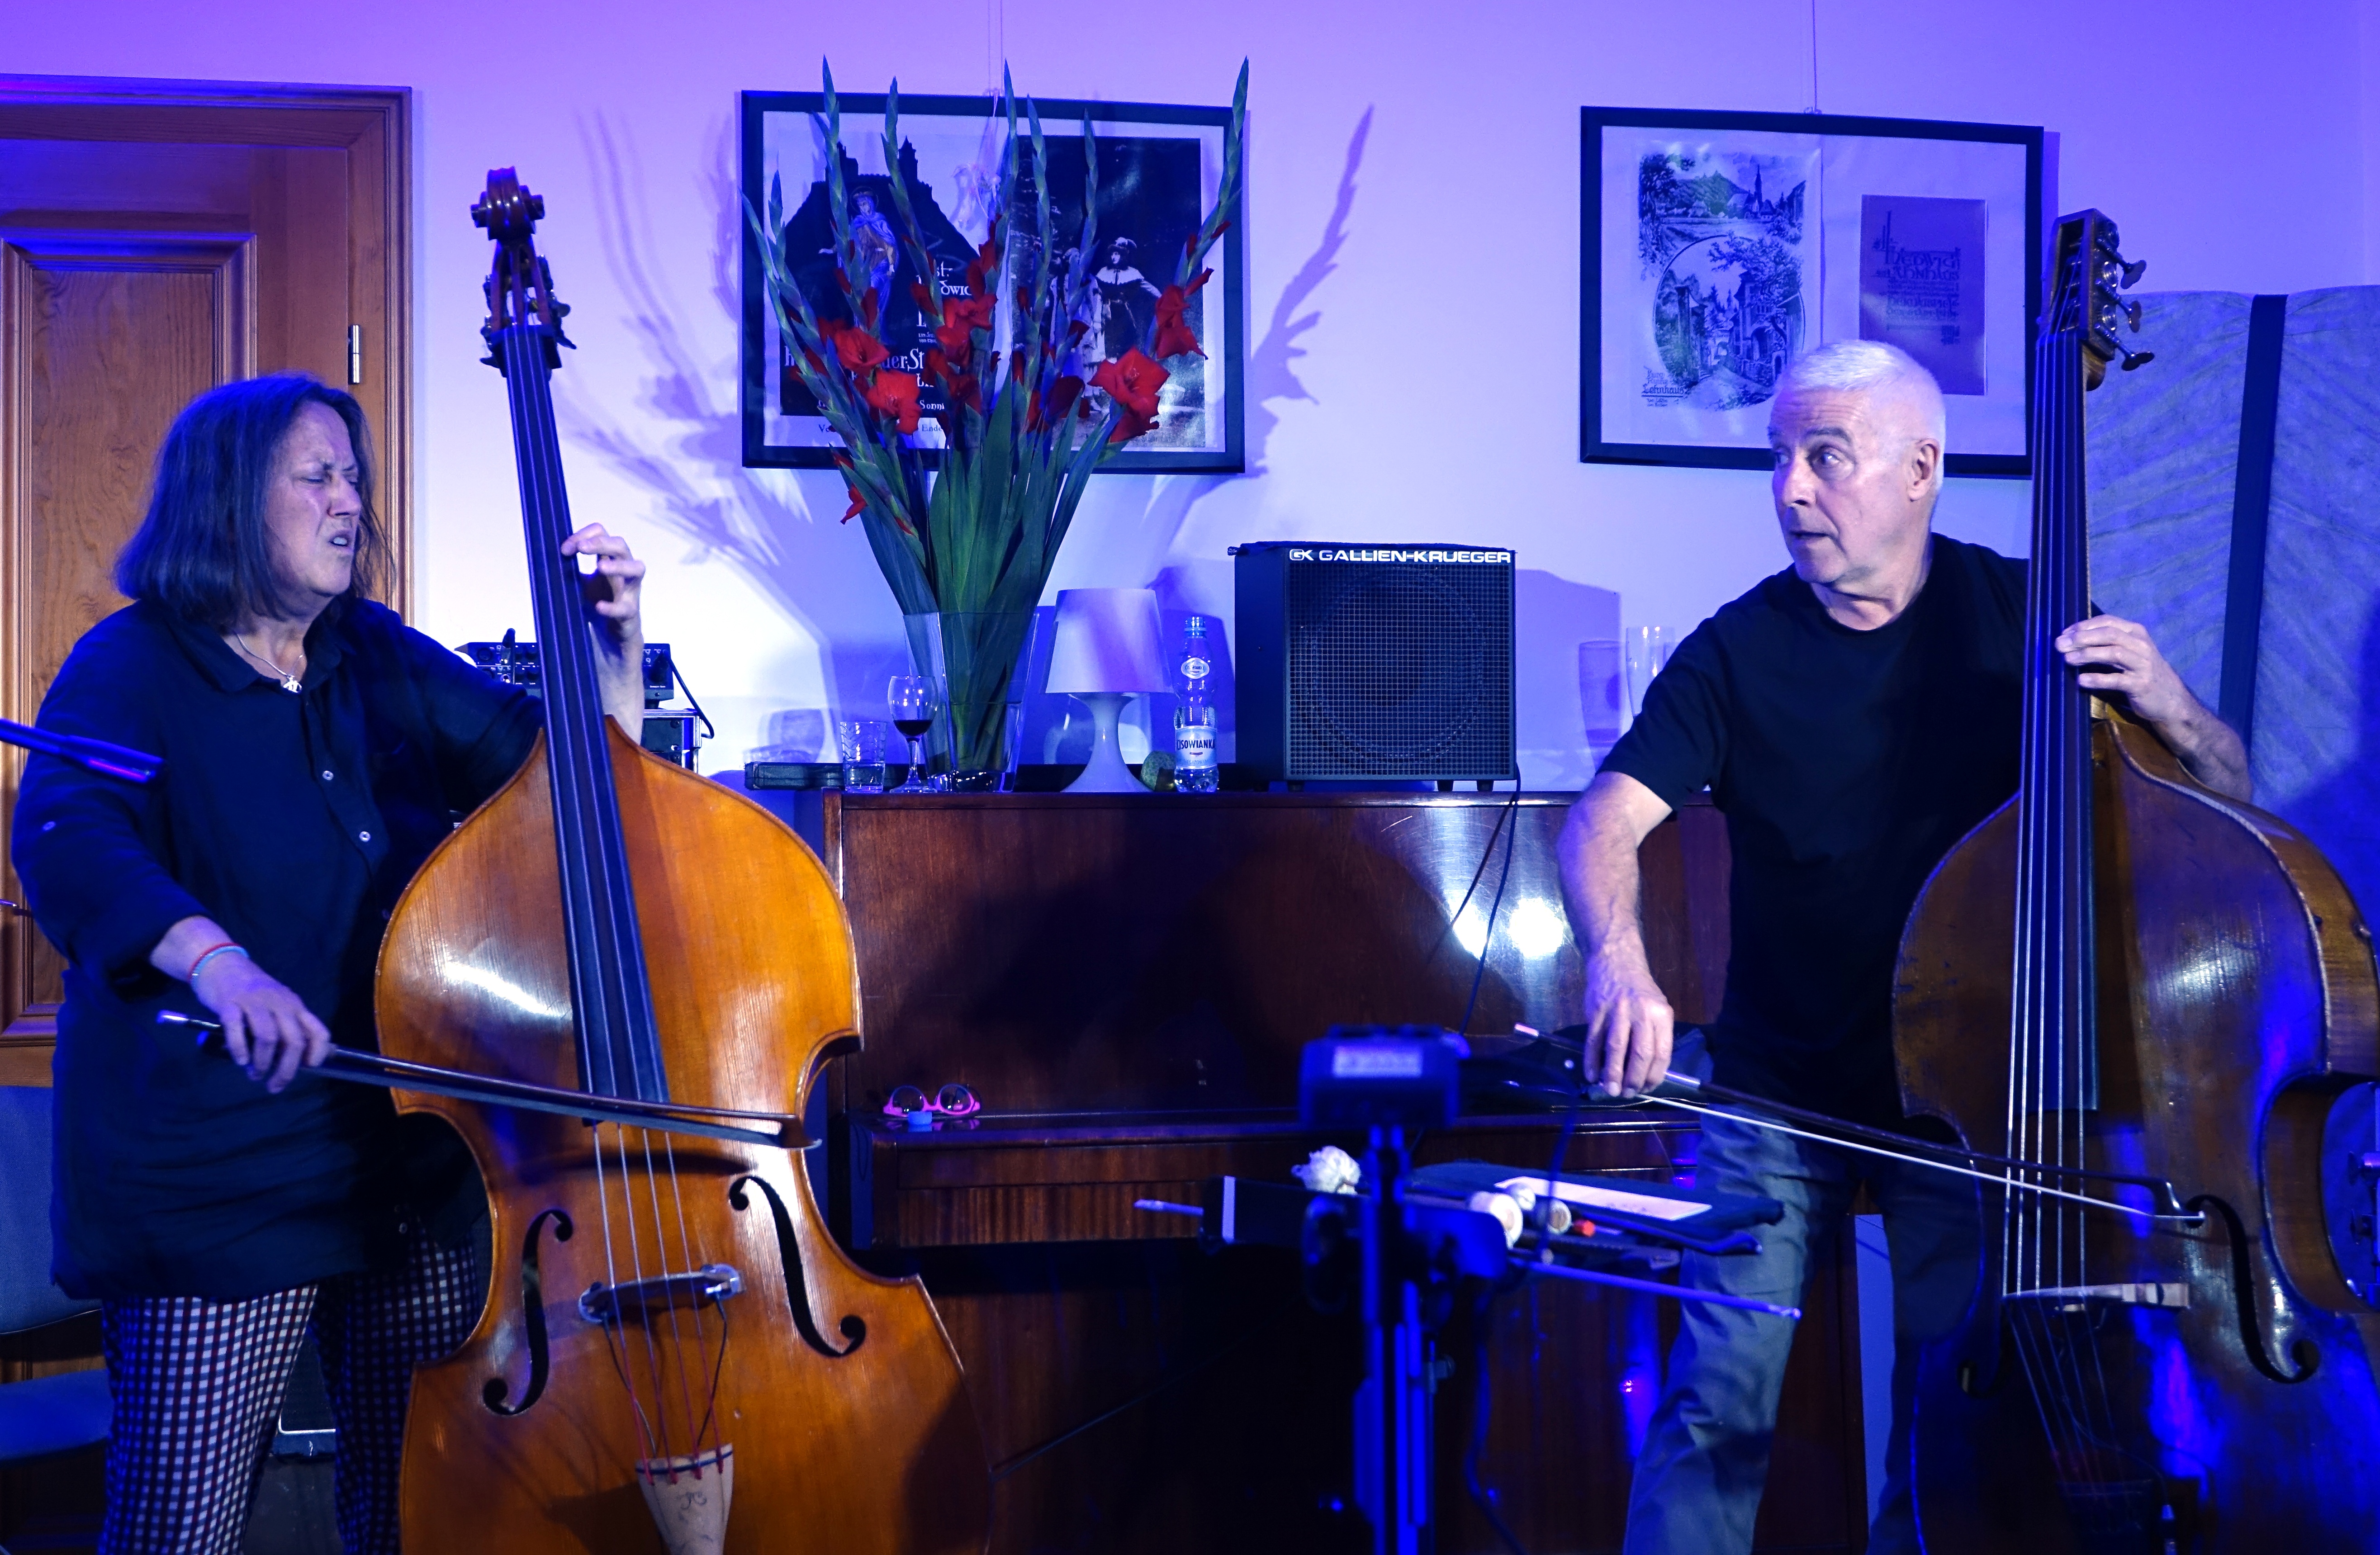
x=226 y=948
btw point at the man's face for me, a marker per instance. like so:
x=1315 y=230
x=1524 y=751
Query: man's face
x=1853 y=482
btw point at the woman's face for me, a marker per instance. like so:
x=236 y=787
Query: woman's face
x=312 y=507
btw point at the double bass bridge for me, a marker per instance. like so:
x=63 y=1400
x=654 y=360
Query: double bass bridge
x=709 y=1286
x=2075 y=1298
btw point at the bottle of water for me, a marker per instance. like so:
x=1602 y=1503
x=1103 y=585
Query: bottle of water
x=1194 y=715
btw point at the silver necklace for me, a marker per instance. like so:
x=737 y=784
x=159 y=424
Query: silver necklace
x=290 y=683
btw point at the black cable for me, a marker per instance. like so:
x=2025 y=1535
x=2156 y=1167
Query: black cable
x=679 y=676
x=1486 y=854
x=1512 y=836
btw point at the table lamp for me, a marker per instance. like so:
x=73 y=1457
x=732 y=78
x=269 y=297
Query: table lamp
x=1105 y=649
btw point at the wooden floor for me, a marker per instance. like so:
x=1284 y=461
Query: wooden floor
x=1229 y=1399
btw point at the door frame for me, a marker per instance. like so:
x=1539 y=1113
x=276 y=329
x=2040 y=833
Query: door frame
x=374 y=125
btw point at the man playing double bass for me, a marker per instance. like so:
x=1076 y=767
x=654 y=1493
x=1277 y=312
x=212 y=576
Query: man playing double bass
x=1853 y=717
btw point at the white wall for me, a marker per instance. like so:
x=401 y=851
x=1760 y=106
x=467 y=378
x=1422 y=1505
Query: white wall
x=1390 y=145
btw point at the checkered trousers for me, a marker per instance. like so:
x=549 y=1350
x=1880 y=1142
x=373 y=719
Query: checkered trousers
x=198 y=1385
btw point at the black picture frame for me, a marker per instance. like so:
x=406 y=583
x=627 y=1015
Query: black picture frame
x=1219 y=320
x=1596 y=444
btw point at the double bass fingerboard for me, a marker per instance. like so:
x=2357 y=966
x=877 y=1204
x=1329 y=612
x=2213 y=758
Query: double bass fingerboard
x=619 y=1044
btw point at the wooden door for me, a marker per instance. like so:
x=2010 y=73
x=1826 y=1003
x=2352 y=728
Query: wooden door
x=157 y=238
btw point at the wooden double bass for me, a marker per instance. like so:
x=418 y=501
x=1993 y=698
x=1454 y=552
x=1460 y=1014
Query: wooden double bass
x=674 y=1356
x=2124 y=977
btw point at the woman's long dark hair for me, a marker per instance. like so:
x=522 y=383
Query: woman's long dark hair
x=202 y=551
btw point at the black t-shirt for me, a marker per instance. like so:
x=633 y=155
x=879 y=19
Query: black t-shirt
x=1846 y=763
x=293 y=822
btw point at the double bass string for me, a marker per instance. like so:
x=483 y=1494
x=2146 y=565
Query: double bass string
x=2050 y=1045
x=581 y=813
x=695 y=1259
x=2042 y=945
x=2069 y=775
x=677 y=1337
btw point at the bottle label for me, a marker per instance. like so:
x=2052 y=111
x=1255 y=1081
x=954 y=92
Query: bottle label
x=1195 y=668
x=1193 y=747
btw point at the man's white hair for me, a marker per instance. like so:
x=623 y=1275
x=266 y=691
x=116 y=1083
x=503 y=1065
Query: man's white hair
x=1858 y=366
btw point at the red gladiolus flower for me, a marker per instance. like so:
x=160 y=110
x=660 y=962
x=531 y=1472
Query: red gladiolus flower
x=980 y=267
x=896 y=394
x=1062 y=394
x=858 y=504
x=925 y=296
x=1173 y=335
x=858 y=350
x=1132 y=379
x=962 y=316
x=964 y=390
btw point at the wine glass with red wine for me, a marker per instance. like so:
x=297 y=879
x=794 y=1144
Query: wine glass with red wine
x=912 y=700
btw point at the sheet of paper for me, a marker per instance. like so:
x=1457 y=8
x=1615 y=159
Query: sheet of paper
x=1922 y=282
x=1611 y=1198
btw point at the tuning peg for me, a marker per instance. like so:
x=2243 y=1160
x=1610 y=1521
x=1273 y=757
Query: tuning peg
x=2132 y=272
x=2136 y=359
x=2114 y=311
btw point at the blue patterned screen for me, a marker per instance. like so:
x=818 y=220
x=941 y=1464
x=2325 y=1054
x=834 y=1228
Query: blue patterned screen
x=2162 y=450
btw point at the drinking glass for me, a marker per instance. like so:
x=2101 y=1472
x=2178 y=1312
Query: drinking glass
x=912 y=701
x=1602 y=695
x=863 y=742
x=1647 y=649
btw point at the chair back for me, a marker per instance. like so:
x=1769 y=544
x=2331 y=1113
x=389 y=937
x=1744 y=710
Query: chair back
x=27 y=1299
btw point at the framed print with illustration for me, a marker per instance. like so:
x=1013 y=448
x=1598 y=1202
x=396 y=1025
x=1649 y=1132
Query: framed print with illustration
x=1715 y=248
x=1160 y=168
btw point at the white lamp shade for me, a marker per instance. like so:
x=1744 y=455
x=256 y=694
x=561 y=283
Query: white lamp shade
x=1107 y=640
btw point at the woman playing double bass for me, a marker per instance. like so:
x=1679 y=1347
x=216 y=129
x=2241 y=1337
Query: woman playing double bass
x=1853 y=717
x=316 y=749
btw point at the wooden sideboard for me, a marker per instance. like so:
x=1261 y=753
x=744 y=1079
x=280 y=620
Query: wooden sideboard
x=1125 y=981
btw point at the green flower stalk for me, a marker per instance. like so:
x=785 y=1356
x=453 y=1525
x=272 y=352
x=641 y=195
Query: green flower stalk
x=971 y=522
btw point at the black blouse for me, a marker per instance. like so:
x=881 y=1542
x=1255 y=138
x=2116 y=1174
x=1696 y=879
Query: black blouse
x=293 y=822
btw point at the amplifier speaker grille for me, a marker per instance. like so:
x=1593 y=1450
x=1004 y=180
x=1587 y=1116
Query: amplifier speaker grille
x=1386 y=668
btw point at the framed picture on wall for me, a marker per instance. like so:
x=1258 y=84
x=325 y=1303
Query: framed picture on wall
x=1160 y=167
x=1715 y=248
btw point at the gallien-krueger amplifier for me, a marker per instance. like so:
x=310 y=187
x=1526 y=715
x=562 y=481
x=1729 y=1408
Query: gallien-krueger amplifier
x=1388 y=662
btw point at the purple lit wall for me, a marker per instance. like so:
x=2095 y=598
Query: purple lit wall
x=1392 y=144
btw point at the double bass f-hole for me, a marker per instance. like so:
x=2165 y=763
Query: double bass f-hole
x=532 y=1319
x=2305 y=1352
x=797 y=1294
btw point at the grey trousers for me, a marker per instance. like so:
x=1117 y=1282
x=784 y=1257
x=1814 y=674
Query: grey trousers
x=1706 y=1457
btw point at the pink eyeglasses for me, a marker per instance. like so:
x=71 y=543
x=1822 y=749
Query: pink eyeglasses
x=950 y=1102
